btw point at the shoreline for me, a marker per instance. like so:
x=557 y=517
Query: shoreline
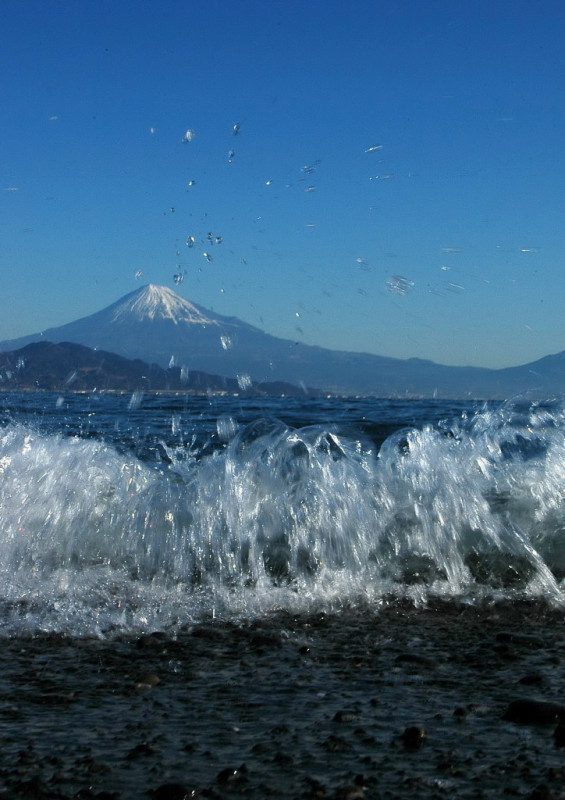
x=400 y=703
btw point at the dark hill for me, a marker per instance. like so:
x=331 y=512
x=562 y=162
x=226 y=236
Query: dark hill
x=74 y=367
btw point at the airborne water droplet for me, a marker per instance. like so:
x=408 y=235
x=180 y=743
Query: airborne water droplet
x=398 y=284
x=135 y=400
x=226 y=427
x=244 y=381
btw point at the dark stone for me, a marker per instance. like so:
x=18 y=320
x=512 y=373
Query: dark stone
x=416 y=659
x=143 y=749
x=172 y=791
x=559 y=735
x=231 y=776
x=335 y=744
x=532 y=679
x=348 y=793
x=542 y=792
x=534 y=712
x=346 y=715
x=413 y=737
x=283 y=758
x=520 y=639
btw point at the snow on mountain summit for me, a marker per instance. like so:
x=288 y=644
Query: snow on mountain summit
x=159 y=302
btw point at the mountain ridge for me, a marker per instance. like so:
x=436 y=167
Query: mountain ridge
x=157 y=325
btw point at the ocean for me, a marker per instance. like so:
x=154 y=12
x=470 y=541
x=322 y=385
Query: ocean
x=224 y=596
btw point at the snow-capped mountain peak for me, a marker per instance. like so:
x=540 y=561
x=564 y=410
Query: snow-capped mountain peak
x=153 y=302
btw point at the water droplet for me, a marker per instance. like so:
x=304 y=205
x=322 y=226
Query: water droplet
x=398 y=284
x=227 y=341
x=236 y=128
x=374 y=147
x=135 y=400
x=244 y=381
x=226 y=427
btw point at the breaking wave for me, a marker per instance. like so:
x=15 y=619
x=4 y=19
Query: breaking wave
x=96 y=541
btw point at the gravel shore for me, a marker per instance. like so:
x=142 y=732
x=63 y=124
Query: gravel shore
x=451 y=701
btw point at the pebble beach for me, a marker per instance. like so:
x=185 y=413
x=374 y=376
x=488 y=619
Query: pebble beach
x=447 y=701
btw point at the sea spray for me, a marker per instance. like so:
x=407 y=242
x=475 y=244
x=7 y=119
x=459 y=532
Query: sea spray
x=96 y=539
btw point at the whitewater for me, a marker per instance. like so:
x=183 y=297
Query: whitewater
x=123 y=515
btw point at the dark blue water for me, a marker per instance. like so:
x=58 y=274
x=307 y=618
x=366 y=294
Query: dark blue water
x=151 y=512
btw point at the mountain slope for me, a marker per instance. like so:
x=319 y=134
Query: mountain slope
x=66 y=366
x=157 y=325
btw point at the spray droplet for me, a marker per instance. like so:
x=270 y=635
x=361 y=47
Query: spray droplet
x=135 y=400
x=398 y=284
x=226 y=427
x=244 y=381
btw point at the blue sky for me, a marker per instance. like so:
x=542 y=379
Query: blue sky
x=396 y=184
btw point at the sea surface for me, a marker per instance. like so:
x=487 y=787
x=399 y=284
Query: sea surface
x=220 y=597
x=129 y=514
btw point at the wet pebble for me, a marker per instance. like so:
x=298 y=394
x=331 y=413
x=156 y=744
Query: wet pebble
x=142 y=750
x=147 y=681
x=413 y=737
x=416 y=659
x=542 y=792
x=532 y=679
x=284 y=759
x=349 y=792
x=528 y=712
x=559 y=735
x=172 y=791
x=335 y=744
x=345 y=715
x=230 y=776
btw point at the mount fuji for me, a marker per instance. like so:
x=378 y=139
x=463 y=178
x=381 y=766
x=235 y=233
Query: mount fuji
x=157 y=325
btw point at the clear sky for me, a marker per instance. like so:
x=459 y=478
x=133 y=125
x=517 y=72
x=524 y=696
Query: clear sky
x=396 y=186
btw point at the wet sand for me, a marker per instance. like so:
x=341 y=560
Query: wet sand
x=405 y=703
